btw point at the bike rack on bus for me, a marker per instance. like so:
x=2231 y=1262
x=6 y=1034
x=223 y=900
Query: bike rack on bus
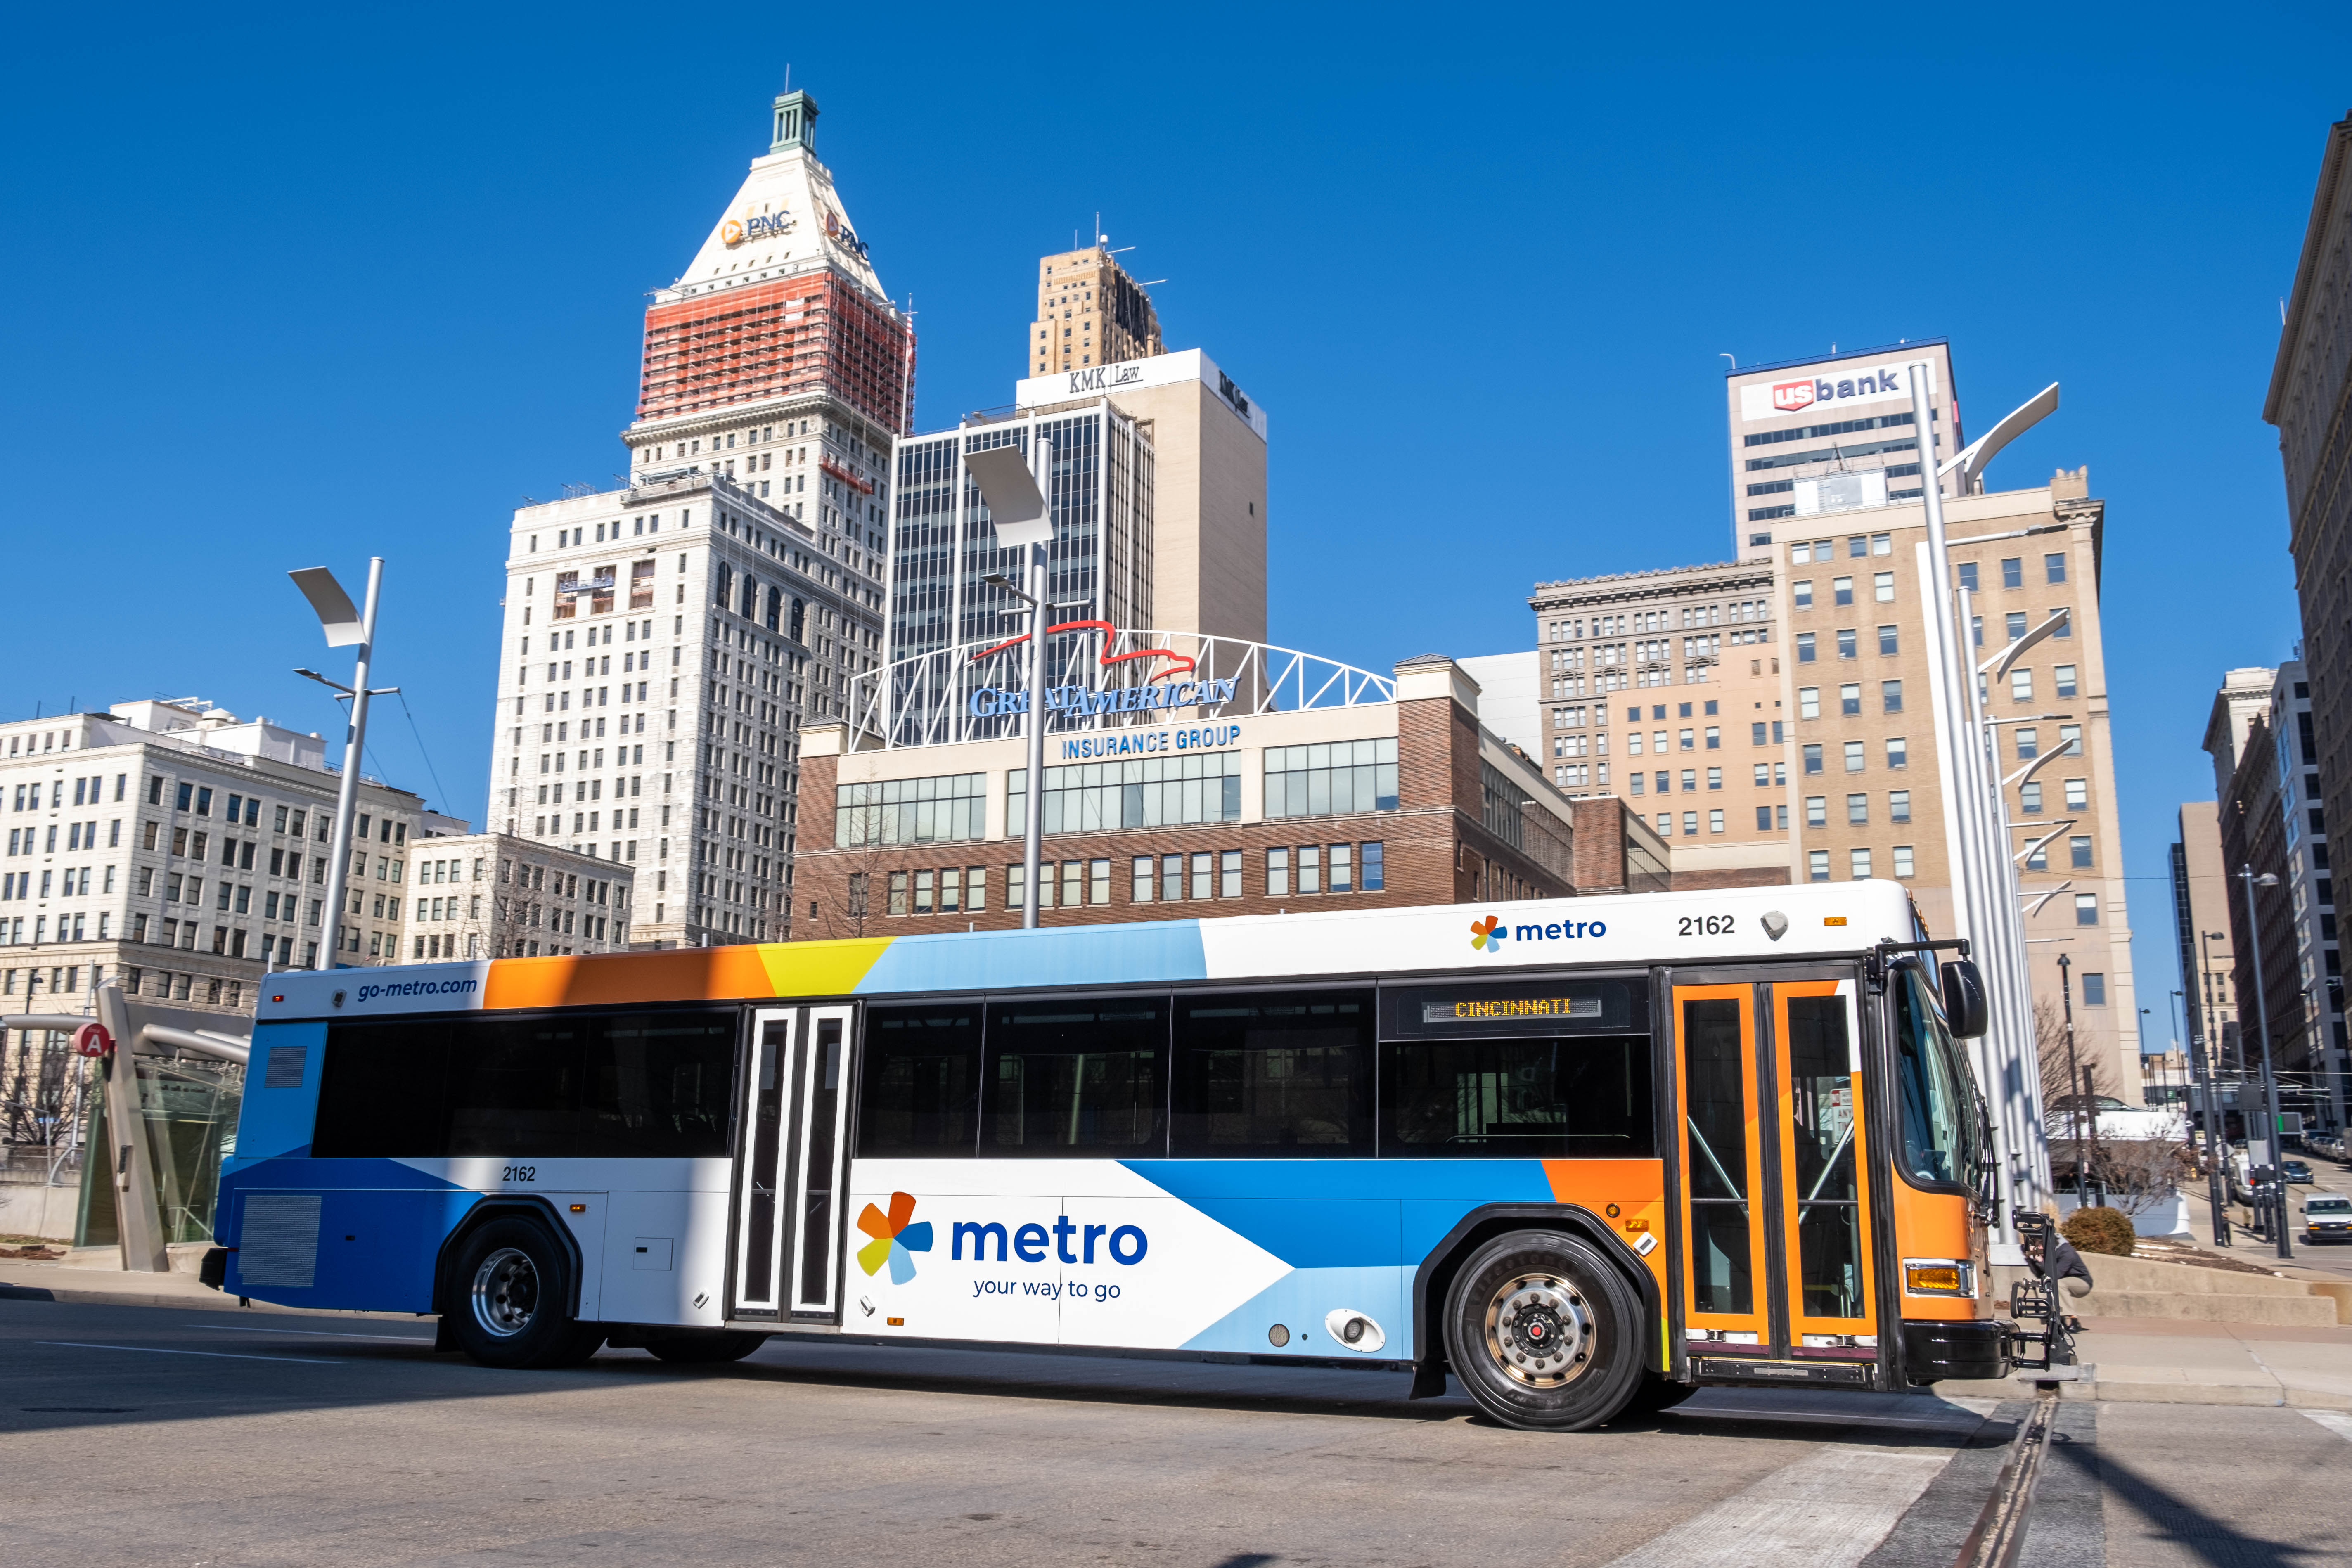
x=2036 y=1299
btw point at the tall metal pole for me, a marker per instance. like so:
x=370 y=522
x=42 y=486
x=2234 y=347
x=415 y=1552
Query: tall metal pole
x=2217 y=1190
x=1983 y=878
x=347 y=794
x=2269 y=1083
x=1033 y=828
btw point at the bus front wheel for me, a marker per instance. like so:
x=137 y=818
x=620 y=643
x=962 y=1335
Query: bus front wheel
x=1544 y=1332
x=511 y=1283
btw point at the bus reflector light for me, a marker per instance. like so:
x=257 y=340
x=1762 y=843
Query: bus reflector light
x=579 y=1208
x=1938 y=1277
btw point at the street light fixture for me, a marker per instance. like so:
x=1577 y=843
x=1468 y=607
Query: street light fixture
x=345 y=627
x=2207 y=1049
x=2270 y=1081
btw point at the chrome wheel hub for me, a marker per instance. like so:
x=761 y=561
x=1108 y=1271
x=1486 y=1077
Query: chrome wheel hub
x=1539 y=1330
x=506 y=1292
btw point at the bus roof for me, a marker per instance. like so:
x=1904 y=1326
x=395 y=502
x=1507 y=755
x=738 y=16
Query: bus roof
x=1707 y=926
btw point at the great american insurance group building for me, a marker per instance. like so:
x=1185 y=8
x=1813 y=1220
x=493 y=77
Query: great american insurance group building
x=1256 y=782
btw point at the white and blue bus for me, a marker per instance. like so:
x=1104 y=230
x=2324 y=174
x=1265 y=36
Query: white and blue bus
x=1584 y=1154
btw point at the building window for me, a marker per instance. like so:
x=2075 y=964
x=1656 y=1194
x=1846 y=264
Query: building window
x=1881 y=544
x=1171 y=878
x=1099 y=881
x=1690 y=824
x=1817 y=811
x=1814 y=757
x=923 y=890
x=898 y=893
x=1845 y=642
x=1715 y=822
x=1802 y=593
x=2029 y=797
x=2012 y=572
x=1310 y=869
x=2087 y=908
x=1890 y=696
x=1898 y=752
x=947 y=809
x=1882 y=587
x=1229 y=873
x=1898 y=806
x=1155 y=792
x=1858 y=862
x=2070 y=739
x=1841 y=590
x=1854 y=760
x=2095 y=991
x=1370 y=869
x=2021 y=686
x=2065 y=628
x=1804 y=647
x=1330 y=780
x=1889 y=639
x=2029 y=742
x=1339 y=861
x=1715 y=778
x=1850 y=698
x=2078 y=795
x=2080 y=849
x=1857 y=808
x=2013 y=624
x=1808 y=702
x=2053 y=568
x=1763 y=818
x=1967 y=570
x=1690 y=781
x=1817 y=866
x=2063 y=677
x=1140 y=887
x=1903 y=868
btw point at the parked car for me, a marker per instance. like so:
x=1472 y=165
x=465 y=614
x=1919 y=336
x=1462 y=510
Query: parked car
x=2295 y=1170
x=2327 y=1217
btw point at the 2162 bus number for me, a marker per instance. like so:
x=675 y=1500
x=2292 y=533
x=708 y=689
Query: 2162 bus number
x=1706 y=925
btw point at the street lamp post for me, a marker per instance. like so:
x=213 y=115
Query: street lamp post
x=2073 y=1078
x=2270 y=1081
x=344 y=627
x=2216 y=1191
x=1007 y=478
x=1032 y=814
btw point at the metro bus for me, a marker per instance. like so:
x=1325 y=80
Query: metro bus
x=1584 y=1154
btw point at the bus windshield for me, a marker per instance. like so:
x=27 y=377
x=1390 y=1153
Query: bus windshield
x=1939 y=1125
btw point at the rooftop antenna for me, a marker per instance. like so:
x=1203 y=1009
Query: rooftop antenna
x=788 y=76
x=1733 y=358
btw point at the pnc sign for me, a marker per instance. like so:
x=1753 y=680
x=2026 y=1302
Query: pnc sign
x=763 y=226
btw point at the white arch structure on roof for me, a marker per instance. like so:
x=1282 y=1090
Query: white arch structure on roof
x=946 y=696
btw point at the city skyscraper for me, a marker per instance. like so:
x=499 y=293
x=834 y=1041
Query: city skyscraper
x=1820 y=436
x=1089 y=312
x=663 y=641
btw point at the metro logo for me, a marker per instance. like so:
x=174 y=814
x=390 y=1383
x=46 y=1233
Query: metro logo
x=896 y=1239
x=1788 y=396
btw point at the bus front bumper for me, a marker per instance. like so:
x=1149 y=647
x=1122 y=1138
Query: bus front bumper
x=1970 y=1348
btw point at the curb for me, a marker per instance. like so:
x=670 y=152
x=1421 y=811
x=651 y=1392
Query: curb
x=2124 y=1390
x=195 y=1299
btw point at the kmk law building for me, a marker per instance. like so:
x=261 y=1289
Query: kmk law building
x=1253 y=792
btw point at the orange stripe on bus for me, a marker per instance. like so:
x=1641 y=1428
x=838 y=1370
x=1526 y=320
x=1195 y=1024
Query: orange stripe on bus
x=1637 y=1188
x=744 y=972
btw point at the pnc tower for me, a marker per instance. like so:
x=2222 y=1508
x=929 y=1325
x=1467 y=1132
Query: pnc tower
x=664 y=641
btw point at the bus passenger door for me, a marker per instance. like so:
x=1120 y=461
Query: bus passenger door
x=1724 y=1258
x=760 y=1238
x=821 y=1145
x=1825 y=1216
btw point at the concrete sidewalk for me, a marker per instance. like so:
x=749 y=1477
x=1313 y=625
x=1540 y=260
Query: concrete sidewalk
x=2146 y=1360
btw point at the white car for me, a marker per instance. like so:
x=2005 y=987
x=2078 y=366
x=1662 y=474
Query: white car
x=2327 y=1217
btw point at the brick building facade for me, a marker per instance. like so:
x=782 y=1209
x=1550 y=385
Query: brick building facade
x=1385 y=802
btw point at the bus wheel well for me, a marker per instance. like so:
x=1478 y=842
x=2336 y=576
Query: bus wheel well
x=482 y=1214
x=1436 y=1277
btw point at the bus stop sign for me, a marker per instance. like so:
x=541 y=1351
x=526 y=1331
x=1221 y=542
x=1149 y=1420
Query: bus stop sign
x=93 y=1041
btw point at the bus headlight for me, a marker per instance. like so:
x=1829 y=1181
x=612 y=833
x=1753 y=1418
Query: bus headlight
x=1938 y=1277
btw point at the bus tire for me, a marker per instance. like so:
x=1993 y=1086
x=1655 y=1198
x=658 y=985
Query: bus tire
x=702 y=1347
x=508 y=1292
x=1544 y=1332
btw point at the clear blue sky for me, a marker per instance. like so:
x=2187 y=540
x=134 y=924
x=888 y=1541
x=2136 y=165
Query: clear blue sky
x=302 y=286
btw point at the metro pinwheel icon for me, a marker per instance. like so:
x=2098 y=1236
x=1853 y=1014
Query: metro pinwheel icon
x=1487 y=935
x=896 y=1239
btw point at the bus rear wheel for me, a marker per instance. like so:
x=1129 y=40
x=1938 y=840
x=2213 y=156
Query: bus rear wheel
x=690 y=1347
x=510 y=1282
x=1544 y=1332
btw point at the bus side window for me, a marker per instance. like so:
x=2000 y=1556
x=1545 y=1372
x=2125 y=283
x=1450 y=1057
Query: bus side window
x=921 y=1097
x=1076 y=1076
x=1566 y=1097
x=1274 y=1074
x=1934 y=1099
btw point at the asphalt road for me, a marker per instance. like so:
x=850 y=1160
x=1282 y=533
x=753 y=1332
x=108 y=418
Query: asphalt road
x=159 y=1437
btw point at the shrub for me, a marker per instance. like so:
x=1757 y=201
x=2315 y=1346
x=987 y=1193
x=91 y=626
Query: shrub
x=2103 y=1230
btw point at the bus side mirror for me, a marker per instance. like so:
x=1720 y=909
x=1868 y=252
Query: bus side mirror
x=1964 y=999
